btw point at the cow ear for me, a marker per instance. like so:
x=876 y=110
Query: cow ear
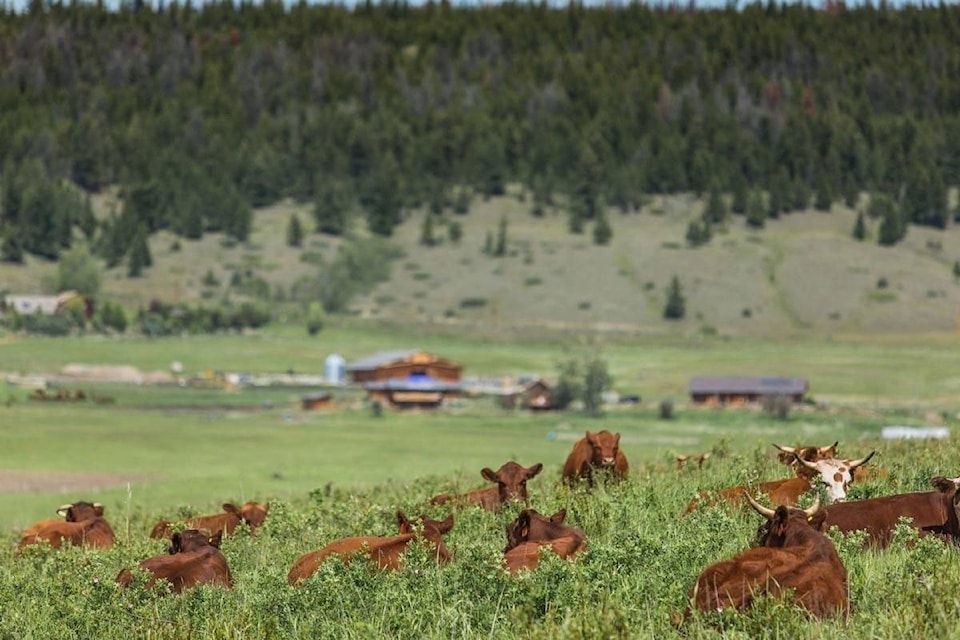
x=590 y=437
x=942 y=485
x=175 y=544
x=534 y=470
x=98 y=509
x=266 y=507
x=816 y=520
x=488 y=474
x=403 y=523
x=778 y=525
x=216 y=538
x=523 y=522
x=559 y=517
x=446 y=525
x=616 y=439
x=229 y=507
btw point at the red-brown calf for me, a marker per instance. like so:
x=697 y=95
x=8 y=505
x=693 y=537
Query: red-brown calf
x=253 y=513
x=599 y=450
x=193 y=558
x=511 y=484
x=83 y=524
x=386 y=551
x=531 y=531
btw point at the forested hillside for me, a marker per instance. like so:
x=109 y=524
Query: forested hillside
x=198 y=115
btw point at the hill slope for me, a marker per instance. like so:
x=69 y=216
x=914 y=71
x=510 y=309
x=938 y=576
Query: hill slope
x=801 y=273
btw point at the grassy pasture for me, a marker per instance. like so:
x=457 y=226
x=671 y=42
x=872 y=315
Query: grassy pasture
x=346 y=472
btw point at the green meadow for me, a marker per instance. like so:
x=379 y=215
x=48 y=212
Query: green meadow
x=168 y=451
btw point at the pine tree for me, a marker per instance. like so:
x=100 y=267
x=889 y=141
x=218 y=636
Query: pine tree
x=501 y=247
x=331 y=207
x=427 y=238
x=860 y=227
x=602 y=232
x=892 y=226
x=675 y=308
x=454 y=231
x=294 y=232
x=823 y=200
x=715 y=211
x=741 y=196
x=139 y=253
x=756 y=213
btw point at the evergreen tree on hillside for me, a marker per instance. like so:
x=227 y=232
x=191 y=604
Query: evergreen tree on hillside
x=676 y=306
x=294 y=232
x=860 y=227
x=715 y=210
x=756 y=211
x=602 y=232
x=893 y=227
x=139 y=257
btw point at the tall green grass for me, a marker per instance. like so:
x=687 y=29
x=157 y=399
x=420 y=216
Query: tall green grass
x=632 y=581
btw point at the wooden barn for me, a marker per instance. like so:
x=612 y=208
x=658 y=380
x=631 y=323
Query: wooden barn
x=403 y=379
x=392 y=365
x=724 y=390
x=535 y=395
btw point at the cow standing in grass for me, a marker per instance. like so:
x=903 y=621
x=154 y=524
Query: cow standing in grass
x=83 y=525
x=511 y=484
x=595 y=451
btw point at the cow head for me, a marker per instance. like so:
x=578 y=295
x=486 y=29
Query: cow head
x=511 y=480
x=790 y=455
x=835 y=473
x=945 y=485
x=531 y=526
x=193 y=540
x=605 y=447
x=81 y=511
x=785 y=526
x=253 y=513
x=432 y=530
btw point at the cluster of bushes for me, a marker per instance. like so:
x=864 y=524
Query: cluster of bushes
x=74 y=318
x=160 y=319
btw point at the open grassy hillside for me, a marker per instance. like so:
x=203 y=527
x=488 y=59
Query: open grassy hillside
x=802 y=273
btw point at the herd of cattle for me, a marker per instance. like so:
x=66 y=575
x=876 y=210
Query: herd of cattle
x=793 y=555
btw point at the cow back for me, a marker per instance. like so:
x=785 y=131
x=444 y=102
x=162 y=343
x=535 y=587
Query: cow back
x=931 y=512
x=784 y=492
x=385 y=551
x=185 y=570
x=95 y=532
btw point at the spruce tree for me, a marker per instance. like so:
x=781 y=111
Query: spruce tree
x=602 y=232
x=675 y=308
x=427 y=238
x=715 y=211
x=501 y=247
x=294 y=232
x=860 y=227
x=139 y=257
x=756 y=212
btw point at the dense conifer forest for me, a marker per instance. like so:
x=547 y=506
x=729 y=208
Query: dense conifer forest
x=200 y=113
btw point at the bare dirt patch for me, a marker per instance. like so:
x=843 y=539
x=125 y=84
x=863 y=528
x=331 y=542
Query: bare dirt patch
x=16 y=481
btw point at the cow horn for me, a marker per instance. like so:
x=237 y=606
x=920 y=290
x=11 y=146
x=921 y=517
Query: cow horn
x=759 y=508
x=792 y=450
x=809 y=465
x=856 y=463
x=97 y=505
x=833 y=446
x=812 y=509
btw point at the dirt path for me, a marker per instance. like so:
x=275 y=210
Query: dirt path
x=15 y=481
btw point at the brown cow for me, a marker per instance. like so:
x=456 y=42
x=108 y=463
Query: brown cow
x=511 y=484
x=386 y=551
x=790 y=455
x=253 y=513
x=835 y=474
x=599 y=450
x=194 y=558
x=930 y=512
x=699 y=458
x=531 y=531
x=83 y=524
x=796 y=559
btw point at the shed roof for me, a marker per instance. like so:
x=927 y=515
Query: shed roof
x=381 y=359
x=762 y=385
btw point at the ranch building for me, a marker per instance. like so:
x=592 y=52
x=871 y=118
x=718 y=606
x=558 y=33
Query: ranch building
x=410 y=378
x=737 y=390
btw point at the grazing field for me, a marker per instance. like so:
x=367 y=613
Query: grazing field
x=166 y=451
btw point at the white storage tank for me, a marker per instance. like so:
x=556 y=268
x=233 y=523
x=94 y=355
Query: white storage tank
x=335 y=369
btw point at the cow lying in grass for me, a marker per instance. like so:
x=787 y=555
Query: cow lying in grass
x=834 y=473
x=532 y=531
x=252 y=513
x=796 y=561
x=194 y=558
x=511 y=484
x=83 y=524
x=386 y=551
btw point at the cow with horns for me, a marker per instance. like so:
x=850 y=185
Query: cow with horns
x=83 y=524
x=796 y=560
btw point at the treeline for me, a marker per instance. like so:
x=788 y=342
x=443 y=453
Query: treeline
x=200 y=114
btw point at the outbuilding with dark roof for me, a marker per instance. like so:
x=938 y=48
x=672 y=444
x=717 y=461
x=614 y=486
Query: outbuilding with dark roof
x=744 y=389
